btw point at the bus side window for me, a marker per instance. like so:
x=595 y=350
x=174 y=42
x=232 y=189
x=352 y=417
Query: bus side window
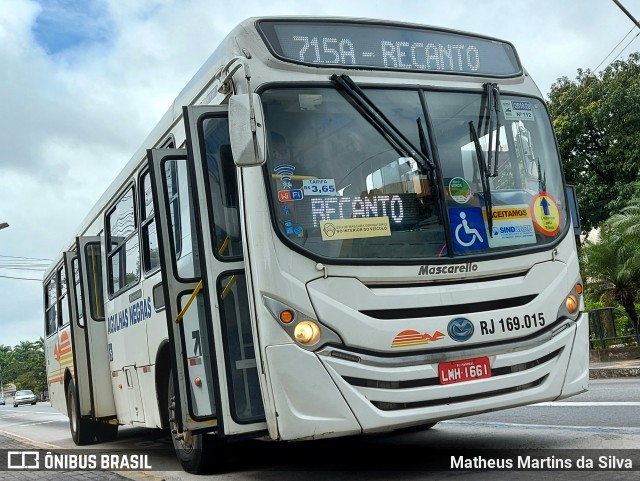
x=78 y=289
x=223 y=187
x=150 y=251
x=173 y=188
x=63 y=306
x=51 y=304
x=182 y=224
x=93 y=261
x=123 y=249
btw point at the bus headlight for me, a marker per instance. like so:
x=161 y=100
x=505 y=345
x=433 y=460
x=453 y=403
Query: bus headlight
x=570 y=307
x=307 y=333
x=305 y=330
x=571 y=303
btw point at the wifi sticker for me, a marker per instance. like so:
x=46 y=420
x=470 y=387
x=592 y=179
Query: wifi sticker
x=285 y=171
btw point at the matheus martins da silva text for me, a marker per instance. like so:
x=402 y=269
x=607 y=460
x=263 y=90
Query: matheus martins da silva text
x=548 y=462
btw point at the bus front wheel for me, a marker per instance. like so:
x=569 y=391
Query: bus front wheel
x=197 y=453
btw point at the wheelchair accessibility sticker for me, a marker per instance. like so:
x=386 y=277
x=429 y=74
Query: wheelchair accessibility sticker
x=468 y=229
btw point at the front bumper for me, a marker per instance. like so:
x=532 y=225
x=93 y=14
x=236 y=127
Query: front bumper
x=336 y=392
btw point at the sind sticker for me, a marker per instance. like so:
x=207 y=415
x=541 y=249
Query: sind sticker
x=512 y=225
x=337 y=229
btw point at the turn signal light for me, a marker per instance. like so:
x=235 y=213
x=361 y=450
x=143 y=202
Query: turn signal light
x=571 y=303
x=579 y=288
x=307 y=333
x=286 y=316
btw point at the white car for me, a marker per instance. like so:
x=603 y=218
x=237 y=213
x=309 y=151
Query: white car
x=24 y=397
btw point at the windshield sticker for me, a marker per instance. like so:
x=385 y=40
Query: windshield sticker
x=511 y=226
x=546 y=214
x=289 y=195
x=468 y=229
x=459 y=190
x=338 y=229
x=319 y=187
x=517 y=110
x=292 y=230
x=415 y=338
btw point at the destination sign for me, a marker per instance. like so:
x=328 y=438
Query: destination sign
x=393 y=47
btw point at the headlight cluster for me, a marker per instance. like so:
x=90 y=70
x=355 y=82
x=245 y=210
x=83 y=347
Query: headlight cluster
x=305 y=330
x=570 y=307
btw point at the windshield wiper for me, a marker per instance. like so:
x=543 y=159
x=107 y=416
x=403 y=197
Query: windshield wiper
x=484 y=176
x=493 y=103
x=379 y=120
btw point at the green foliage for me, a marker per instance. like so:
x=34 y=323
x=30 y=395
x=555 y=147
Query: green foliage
x=596 y=118
x=611 y=266
x=24 y=365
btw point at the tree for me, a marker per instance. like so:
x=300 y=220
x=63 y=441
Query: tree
x=596 y=118
x=24 y=365
x=611 y=268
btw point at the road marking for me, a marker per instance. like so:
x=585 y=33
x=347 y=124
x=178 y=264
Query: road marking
x=621 y=430
x=41 y=422
x=26 y=413
x=586 y=404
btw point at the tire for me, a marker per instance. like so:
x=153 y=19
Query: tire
x=82 y=430
x=106 y=432
x=15 y=405
x=201 y=451
x=33 y=403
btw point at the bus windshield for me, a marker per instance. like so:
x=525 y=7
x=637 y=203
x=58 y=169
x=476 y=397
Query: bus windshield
x=340 y=190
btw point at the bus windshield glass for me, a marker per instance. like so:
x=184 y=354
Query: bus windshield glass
x=340 y=190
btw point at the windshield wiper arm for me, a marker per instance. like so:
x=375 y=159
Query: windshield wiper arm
x=484 y=176
x=493 y=103
x=374 y=115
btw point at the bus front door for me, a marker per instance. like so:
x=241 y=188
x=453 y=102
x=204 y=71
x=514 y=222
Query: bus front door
x=216 y=385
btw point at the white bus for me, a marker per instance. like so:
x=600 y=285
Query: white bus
x=340 y=226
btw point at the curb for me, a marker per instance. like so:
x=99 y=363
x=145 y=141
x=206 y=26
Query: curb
x=611 y=373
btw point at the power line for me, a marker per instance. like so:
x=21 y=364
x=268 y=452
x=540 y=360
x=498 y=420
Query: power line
x=28 y=258
x=21 y=278
x=583 y=92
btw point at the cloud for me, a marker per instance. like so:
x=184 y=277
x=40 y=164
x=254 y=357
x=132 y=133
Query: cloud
x=82 y=84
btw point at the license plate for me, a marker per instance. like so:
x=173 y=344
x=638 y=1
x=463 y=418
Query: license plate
x=464 y=370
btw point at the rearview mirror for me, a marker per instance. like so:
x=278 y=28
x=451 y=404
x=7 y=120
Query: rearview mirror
x=246 y=130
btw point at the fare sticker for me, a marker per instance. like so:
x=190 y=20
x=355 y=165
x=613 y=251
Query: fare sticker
x=338 y=229
x=545 y=214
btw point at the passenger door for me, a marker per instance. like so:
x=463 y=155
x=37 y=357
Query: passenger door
x=205 y=290
x=88 y=329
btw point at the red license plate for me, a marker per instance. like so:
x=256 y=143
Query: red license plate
x=464 y=370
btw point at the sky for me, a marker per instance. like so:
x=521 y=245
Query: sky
x=82 y=83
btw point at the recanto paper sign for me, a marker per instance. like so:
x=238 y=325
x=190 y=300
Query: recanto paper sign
x=337 y=229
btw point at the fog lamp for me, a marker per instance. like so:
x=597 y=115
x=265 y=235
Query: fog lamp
x=307 y=333
x=571 y=303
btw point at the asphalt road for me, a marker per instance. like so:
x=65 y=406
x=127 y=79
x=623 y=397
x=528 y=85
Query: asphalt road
x=605 y=418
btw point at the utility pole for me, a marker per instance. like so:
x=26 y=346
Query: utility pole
x=1 y=385
x=626 y=12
